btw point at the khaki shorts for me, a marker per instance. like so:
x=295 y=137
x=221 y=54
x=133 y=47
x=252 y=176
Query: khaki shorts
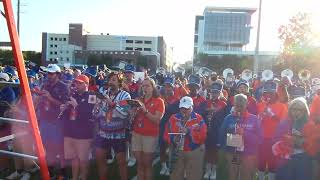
x=77 y=148
x=142 y=143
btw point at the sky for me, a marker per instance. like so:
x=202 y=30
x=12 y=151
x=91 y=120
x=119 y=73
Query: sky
x=172 y=19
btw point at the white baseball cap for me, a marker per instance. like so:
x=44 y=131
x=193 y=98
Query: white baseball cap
x=4 y=76
x=186 y=102
x=53 y=68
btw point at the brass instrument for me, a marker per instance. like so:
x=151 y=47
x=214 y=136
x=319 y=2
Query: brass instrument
x=178 y=70
x=287 y=72
x=228 y=75
x=267 y=75
x=204 y=72
x=304 y=74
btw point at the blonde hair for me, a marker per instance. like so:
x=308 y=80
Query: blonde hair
x=299 y=103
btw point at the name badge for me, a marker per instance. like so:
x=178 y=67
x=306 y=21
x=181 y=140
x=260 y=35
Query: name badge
x=235 y=140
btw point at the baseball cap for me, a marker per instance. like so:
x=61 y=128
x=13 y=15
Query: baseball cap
x=53 y=68
x=194 y=80
x=244 y=82
x=129 y=68
x=216 y=87
x=4 y=76
x=186 y=102
x=82 y=78
x=169 y=80
x=31 y=74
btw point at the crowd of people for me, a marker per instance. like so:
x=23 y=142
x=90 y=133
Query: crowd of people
x=198 y=125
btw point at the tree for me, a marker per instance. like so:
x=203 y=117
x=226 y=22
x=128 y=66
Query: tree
x=296 y=38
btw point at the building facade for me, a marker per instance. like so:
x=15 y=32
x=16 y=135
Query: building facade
x=222 y=29
x=74 y=47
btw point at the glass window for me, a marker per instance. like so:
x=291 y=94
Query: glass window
x=129 y=48
x=64 y=39
x=138 y=42
x=138 y=49
x=147 y=49
x=148 y=42
x=129 y=41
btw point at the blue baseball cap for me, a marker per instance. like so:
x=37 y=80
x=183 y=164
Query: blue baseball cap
x=169 y=80
x=129 y=68
x=242 y=82
x=31 y=73
x=91 y=71
x=9 y=70
x=194 y=80
x=216 y=87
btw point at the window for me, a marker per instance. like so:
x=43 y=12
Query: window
x=129 y=41
x=68 y=59
x=147 y=49
x=138 y=49
x=148 y=42
x=60 y=52
x=129 y=48
x=60 y=39
x=51 y=52
x=138 y=42
x=55 y=45
x=56 y=39
x=67 y=52
x=61 y=58
x=64 y=39
x=51 y=45
x=50 y=59
x=51 y=39
x=55 y=52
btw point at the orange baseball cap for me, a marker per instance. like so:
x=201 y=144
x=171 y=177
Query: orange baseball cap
x=82 y=78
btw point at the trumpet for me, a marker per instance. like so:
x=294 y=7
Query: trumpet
x=304 y=74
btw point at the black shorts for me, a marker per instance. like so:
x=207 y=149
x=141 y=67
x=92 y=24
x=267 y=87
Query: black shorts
x=118 y=145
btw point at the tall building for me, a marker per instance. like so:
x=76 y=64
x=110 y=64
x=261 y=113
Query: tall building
x=222 y=29
x=76 y=48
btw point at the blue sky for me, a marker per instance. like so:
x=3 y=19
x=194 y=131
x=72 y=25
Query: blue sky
x=173 y=19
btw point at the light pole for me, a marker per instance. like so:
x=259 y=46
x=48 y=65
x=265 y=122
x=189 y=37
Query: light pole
x=256 y=54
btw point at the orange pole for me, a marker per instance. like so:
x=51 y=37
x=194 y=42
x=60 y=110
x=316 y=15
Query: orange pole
x=19 y=62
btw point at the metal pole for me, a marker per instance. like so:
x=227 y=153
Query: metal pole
x=19 y=62
x=256 y=54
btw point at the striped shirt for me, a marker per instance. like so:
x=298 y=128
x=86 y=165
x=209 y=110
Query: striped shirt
x=121 y=95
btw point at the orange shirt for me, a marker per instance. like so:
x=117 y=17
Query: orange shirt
x=269 y=124
x=312 y=137
x=315 y=107
x=144 y=126
x=180 y=92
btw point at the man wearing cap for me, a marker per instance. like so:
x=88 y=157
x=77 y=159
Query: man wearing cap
x=53 y=93
x=270 y=111
x=186 y=133
x=243 y=88
x=171 y=107
x=7 y=94
x=200 y=103
x=129 y=84
x=78 y=127
x=215 y=113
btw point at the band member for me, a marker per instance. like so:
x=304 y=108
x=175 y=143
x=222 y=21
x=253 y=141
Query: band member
x=146 y=128
x=270 y=111
x=186 y=133
x=109 y=137
x=200 y=103
x=129 y=84
x=215 y=113
x=293 y=162
x=242 y=87
x=78 y=127
x=171 y=101
x=238 y=137
x=53 y=93
x=283 y=87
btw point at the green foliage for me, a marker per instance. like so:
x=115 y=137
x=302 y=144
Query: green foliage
x=6 y=57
